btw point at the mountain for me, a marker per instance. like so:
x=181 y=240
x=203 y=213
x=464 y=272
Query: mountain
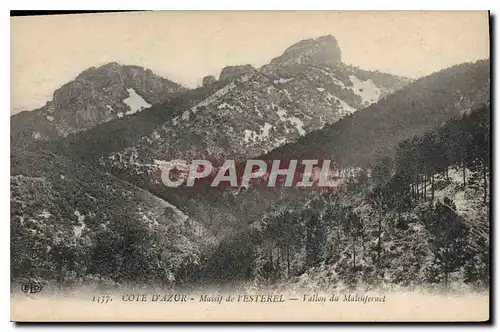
x=420 y=219
x=95 y=96
x=245 y=113
x=67 y=216
x=256 y=110
x=85 y=186
x=355 y=144
x=359 y=139
x=359 y=142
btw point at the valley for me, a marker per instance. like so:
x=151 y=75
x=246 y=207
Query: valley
x=409 y=206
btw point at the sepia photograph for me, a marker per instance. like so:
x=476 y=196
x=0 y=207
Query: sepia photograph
x=250 y=166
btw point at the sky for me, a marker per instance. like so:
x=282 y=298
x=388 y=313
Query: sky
x=49 y=51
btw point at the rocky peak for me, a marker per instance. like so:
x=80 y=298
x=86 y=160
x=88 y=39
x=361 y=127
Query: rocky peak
x=322 y=51
x=231 y=72
x=97 y=95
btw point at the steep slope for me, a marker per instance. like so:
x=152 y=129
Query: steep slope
x=356 y=142
x=121 y=133
x=257 y=110
x=95 y=96
x=359 y=139
x=72 y=224
x=424 y=223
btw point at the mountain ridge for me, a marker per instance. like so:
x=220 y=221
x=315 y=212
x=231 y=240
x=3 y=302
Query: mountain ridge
x=433 y=98
x=96 y=95
x=90 y=204
x=256 y=110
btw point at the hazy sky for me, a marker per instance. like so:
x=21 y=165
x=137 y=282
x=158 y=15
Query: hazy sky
x=49 y=51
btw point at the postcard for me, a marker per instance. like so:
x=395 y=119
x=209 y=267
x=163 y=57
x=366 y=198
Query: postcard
x=251 y=166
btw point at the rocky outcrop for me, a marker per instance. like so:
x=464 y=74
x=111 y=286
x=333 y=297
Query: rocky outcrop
x=95 y=96
x=113 y=79
x=209 y=80
x=231 y=72
x=322 y=51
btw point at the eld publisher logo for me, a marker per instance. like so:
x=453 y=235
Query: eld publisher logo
x=31 y=287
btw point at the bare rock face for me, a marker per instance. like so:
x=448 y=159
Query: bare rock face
x=322 y=51
x=209 y=80
x=95 y=96
x=231 y=72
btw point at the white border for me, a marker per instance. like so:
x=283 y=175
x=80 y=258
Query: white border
x=193 y=5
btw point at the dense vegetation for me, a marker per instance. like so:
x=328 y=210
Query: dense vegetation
x=74 y=224
x=393 y=226
x=414 y=209
x=361 y=138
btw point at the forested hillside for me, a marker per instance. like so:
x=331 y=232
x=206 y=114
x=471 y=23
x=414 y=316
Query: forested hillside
x=73 y=224
x=419 y=218
x=361 y=138
x=357 y=142
x=410 y=161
